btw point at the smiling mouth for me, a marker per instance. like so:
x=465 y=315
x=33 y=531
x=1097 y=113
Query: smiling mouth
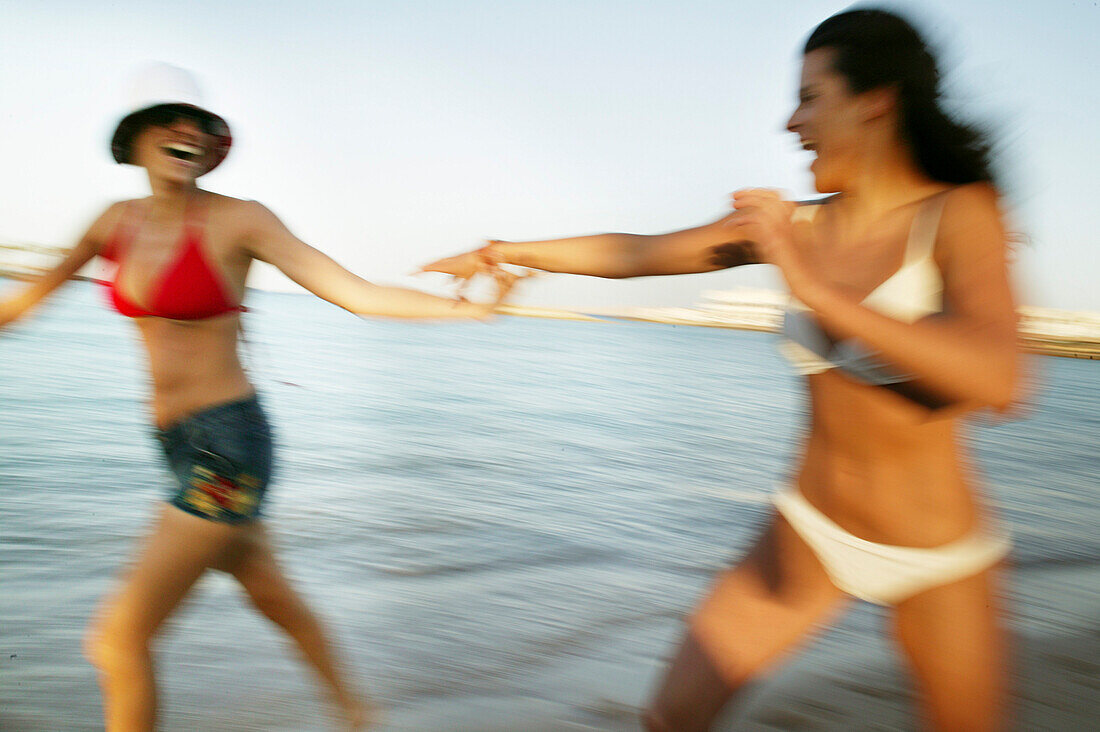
x=810 y=145
x=183 y=151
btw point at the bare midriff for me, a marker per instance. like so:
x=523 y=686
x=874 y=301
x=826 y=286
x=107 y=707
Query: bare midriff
x=883 y=468
x=194 y=365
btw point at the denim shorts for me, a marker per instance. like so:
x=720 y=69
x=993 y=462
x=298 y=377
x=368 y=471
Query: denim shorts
x=221 y=458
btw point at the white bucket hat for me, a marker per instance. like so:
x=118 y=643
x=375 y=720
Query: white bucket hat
x=161 y=91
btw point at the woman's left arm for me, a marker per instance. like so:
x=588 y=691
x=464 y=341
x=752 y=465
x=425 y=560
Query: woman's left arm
x=270 y=241
x=967 y=356
x=91 y=243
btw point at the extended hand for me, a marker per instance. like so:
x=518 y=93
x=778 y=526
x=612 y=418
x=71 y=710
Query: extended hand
x=764 y=218
x=463 y=267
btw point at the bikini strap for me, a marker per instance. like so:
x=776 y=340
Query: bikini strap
x=194 y=218
x=123 y=233
x=926 y=224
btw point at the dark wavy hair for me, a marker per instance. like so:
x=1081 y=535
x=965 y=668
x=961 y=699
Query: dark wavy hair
x=876 y=48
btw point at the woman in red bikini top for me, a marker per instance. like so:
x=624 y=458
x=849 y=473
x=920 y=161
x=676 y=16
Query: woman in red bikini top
x=182 y=256
x=188 y=289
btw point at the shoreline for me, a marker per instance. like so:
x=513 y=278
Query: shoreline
x=1045 y=344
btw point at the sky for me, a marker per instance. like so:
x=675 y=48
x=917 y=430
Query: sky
x=389 y=133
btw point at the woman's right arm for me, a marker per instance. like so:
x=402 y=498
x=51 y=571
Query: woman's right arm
x=90 y=244
x=704 y=248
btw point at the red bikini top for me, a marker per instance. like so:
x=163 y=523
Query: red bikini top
x=188 y=289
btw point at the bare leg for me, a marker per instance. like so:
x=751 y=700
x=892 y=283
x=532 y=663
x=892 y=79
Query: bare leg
x=253 y=564
x=754 y=612
x=957 y=650
x=173 y=557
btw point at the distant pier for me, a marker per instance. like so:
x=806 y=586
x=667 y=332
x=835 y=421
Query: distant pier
x=1046 y=331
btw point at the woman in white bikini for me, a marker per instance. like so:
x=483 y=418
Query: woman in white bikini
x=902 y=320
x=183 y=255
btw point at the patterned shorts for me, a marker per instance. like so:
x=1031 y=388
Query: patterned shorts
x=222 y=459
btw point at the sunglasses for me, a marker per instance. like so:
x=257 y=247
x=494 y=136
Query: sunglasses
x=168 y=115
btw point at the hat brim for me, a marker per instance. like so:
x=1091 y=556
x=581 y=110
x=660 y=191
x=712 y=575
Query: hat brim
x=133 y=123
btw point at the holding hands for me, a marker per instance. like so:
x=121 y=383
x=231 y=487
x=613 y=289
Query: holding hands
x=464 y=266
x=468 y=265
x=502 y=278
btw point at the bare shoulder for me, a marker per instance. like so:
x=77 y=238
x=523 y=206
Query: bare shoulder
x=253 y=213
x=244 y=217
x=114 y=212
x=108 y=221
x=974 y=203
x=229 y=206
x=257 y=230
x=971 y=225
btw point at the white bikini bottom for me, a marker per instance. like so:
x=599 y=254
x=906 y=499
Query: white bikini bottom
x=882 y=573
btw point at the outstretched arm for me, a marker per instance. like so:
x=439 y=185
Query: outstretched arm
x=704 y=248
x=89 y=246
x=270 y=241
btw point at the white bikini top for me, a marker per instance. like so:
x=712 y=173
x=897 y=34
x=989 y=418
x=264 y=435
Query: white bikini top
x=914 y=291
